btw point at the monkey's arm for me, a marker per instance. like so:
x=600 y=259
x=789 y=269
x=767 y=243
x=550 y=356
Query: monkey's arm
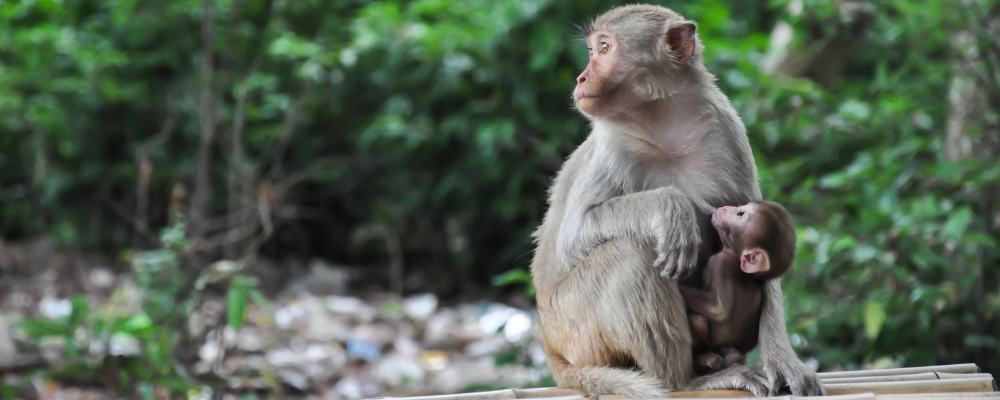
x=665 y=217
x=780 y=364
x=716 y=302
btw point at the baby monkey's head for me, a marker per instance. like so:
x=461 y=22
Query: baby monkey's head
x=761 y=233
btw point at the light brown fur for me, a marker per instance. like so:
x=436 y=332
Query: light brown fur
x=630 y=206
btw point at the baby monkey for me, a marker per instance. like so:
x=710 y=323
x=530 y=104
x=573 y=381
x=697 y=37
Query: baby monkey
x=758 y=244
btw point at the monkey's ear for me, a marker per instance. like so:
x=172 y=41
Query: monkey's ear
x=754 y=260
x=680 y=38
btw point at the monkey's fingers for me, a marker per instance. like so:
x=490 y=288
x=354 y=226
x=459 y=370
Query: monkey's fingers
x=666 y=263
x=690 y=256
x=799 y=384
x=686 y=255
x=777 y=382
x=806 y=386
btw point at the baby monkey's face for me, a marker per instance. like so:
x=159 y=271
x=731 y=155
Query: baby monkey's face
x=733 y=222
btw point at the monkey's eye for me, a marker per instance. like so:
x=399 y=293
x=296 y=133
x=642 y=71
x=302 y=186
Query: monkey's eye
x=604 y=48
x=739 y=214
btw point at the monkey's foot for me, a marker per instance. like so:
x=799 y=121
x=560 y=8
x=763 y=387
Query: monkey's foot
x=750 y=378
x=800 y=379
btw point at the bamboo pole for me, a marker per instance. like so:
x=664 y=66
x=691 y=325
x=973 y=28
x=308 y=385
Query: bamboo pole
x=911 y=377
x=927 y=386
x=954 y=369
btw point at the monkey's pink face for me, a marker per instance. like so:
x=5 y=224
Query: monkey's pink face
x=604 y=74
x=731 y=222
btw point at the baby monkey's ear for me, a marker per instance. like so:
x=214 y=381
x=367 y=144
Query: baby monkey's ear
x=754 y=260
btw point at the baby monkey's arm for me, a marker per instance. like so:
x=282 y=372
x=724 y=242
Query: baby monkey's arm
x=714 y=302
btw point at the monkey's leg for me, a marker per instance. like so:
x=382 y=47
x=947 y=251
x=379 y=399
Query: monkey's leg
x=777 y=358
x=613 y=314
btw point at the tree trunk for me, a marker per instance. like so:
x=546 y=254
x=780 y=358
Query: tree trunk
x=200 y=197
x=821 y=58
x=970 y=136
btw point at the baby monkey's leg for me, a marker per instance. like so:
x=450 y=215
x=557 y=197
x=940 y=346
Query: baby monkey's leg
x=733 y=356
x=699 y=330
x=708 y=362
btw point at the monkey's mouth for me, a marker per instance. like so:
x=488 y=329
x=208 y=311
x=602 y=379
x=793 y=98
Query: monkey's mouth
x=725 y=231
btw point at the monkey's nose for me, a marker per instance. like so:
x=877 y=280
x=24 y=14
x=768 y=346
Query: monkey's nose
x=724 y=209
x=581 y=79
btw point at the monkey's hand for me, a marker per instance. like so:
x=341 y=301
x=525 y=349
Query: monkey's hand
x=678 y=238
x=800 y=379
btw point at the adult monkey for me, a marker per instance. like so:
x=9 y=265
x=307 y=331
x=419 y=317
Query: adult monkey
x=666 y=148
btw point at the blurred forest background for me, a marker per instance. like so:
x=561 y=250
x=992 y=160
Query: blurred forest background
x=202 y=154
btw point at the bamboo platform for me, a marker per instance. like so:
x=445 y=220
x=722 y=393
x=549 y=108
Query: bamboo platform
x=958 y=381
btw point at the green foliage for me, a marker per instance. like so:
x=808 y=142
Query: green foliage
x=516 y=276
x=444 y=121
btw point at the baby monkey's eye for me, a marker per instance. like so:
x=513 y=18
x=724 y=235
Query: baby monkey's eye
x=604 y=48
x=739 y=214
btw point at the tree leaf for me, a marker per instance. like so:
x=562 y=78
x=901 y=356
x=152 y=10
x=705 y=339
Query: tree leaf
x=957 y=223
x=874 y=319
x=511 y=277
x=236 y=304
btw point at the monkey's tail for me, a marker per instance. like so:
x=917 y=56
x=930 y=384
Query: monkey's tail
x=607 y=380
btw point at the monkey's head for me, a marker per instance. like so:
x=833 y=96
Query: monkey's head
x=638 y=54
x=761 y=233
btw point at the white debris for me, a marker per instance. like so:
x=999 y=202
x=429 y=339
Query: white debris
x=55 y=308
x=420 y=307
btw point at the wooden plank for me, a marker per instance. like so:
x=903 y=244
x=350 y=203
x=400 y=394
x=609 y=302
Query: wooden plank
x=854 y=396
x=954 y=369
x=729 y=394
x=945 y=375
x=538 y=393
x=939 y=396
x=910 y=377
x=567 y=394
x=503 y=394
x=711 y=394
x=698 y=395
x=928 y=386
x=958 y=381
